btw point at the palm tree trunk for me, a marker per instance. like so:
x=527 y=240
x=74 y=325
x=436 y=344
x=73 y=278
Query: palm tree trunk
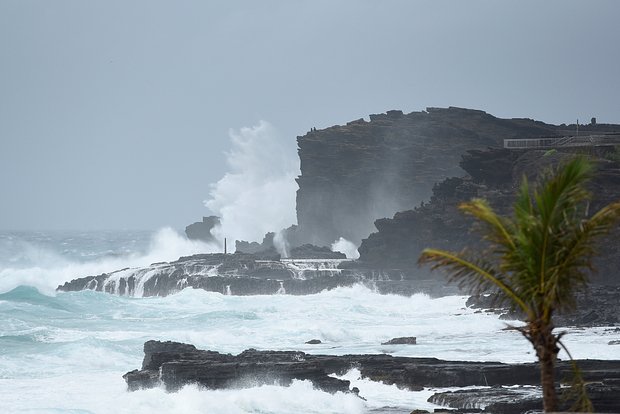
x=547 y=380
x=547 y=351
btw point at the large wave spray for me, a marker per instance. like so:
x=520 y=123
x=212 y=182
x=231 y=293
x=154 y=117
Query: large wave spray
x=34 y=264
x=257 y=195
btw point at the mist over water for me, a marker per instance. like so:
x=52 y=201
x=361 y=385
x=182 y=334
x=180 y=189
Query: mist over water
x=257 y=194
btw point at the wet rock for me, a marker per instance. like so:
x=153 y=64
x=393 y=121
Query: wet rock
x=253 y=274
x=309 y=251
x=174 y=365
x=265 y=247
x=201 y=230
x=305 y=251
x=598 y=306
x=497 y=400
x=405 y=340
x=521 y=399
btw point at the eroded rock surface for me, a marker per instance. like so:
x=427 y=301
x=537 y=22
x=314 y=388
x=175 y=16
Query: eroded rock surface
x=248 y=274
x=493 y=175
x=175 y=365
x=353 y=174
x=598 y=306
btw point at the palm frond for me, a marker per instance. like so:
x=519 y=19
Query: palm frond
x=498 y=226
x=476 y=273
x=576 y=247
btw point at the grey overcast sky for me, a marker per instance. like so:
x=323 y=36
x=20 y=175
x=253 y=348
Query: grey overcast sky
x=115 y=113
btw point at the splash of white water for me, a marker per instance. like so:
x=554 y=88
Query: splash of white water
x=166 y=245
x=257 y=195
x=281 y=244
x=347 y=247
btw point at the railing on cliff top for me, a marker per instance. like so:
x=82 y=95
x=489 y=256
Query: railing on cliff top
x=567 y=141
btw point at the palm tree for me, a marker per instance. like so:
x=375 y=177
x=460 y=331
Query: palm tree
x=538 y=259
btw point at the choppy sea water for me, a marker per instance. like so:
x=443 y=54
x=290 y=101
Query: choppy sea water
x=66 y=352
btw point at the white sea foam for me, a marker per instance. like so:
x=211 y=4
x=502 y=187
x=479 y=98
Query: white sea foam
x=348 y=248
x=85 y=341
x=257 y=194
x=45 y=269
x=67 y=353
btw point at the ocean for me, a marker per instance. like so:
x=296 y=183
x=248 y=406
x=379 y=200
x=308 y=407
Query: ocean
x=67 y=352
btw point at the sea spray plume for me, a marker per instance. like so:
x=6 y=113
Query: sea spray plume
x=281 y=244
x=537 y=260
x=257 y=194
x=347 y=247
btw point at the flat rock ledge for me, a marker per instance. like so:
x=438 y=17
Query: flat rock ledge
x=512 y=386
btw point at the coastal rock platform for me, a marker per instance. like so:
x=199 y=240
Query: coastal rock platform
x=251 y=274
x=504 y=388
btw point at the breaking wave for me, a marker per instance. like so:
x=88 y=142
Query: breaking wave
x=257 y=194
x=38 y=262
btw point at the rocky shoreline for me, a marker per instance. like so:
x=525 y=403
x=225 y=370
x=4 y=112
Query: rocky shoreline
x=599 y=306
x=496 y=387
x=250 y=274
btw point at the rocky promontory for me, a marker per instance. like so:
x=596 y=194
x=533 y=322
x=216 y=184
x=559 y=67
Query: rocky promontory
x=354 y=174
x=494 y=175
x=174 y=365
x=201 y=230
x=254 y=274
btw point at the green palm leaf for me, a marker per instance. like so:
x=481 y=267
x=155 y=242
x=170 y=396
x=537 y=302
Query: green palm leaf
x=537 y=259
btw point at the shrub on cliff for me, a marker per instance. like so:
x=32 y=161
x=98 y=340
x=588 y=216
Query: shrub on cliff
x=538 y=259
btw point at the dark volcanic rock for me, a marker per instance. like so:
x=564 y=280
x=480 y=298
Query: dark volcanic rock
x=237 y=274
x=353 y=174
x=599 y=306
x=309 y=251
x=496 y=400
x=494 y=175
x=305 y=251
x=405 y=340
x=178 y=364
x=175 y=365
x=517 y=400
x=253 y=274
x=201 y=230
x=265 y=247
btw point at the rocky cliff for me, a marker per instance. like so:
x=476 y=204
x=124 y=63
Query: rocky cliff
x=493 y=175
x=353 y=174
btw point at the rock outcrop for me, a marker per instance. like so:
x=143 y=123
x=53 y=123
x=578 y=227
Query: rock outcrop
x=201 y=230
x=494 y=175
x=175 y=365
x=522 y=399
x=252 y=274
x=353 y=174
x=598 y=306
x=304 y=251
x=404 y=340
x=265 y=247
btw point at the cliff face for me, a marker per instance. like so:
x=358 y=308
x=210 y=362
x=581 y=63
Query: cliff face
x=352 y=175
x=493 y=175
